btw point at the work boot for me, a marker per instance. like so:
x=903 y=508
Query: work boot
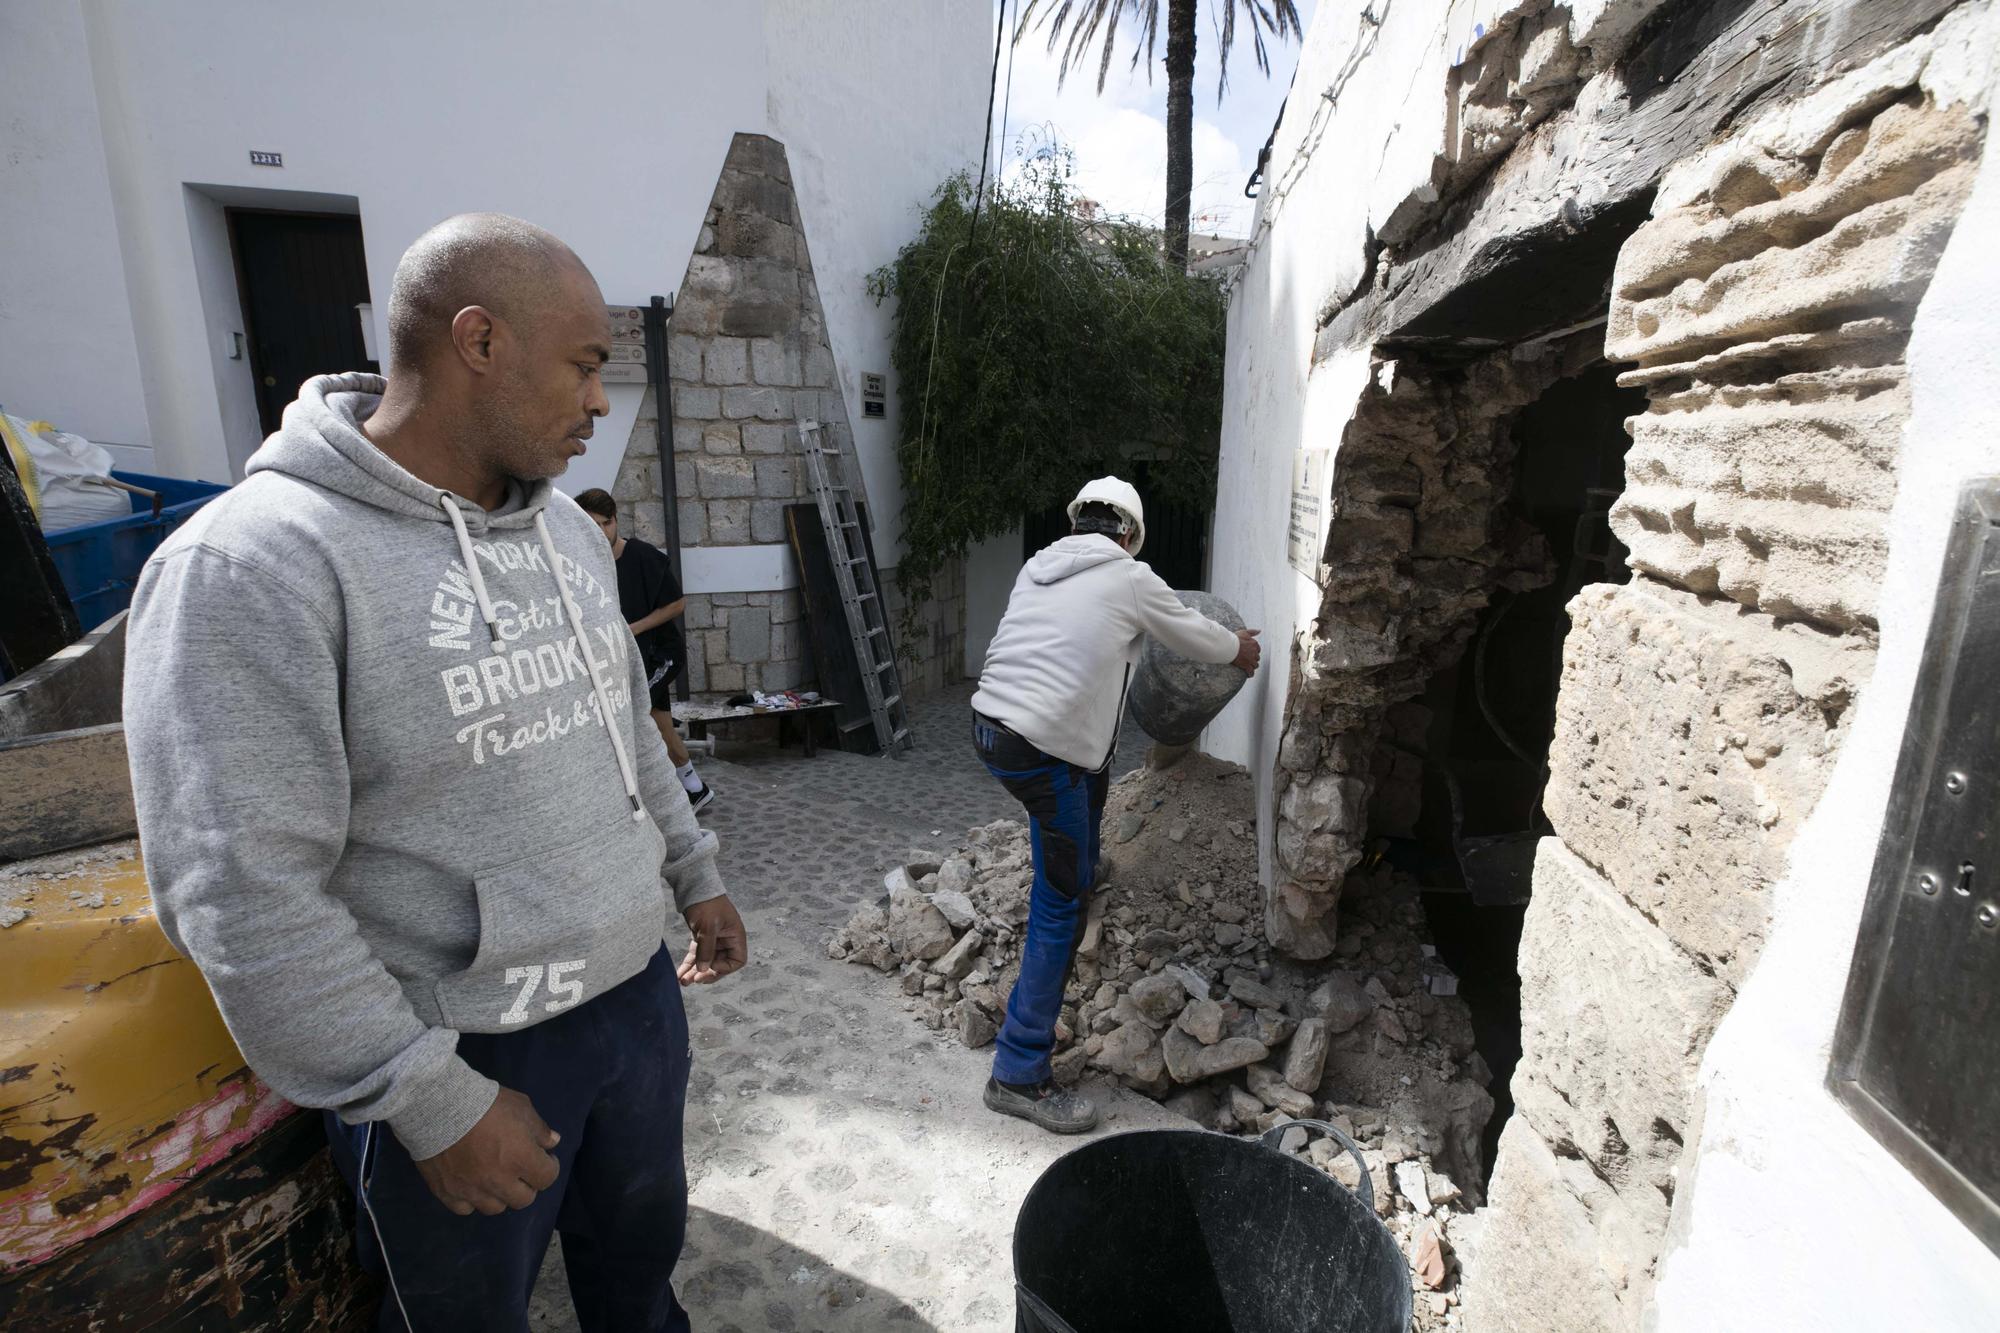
x=1055 y=1109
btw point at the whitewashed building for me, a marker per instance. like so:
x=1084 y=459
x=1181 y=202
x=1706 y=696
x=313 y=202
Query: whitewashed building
x=1607 y=381
x=194 y=197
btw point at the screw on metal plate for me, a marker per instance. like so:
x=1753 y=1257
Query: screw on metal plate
x=1988 y=915
x=1954 y=783
x=1927 y=882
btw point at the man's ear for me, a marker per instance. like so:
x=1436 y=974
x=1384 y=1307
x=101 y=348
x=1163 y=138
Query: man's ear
x=473 y=331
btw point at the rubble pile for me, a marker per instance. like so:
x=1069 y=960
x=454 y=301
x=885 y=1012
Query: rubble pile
x=1177 y=994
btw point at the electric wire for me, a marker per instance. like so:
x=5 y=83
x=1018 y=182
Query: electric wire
x=986 y=146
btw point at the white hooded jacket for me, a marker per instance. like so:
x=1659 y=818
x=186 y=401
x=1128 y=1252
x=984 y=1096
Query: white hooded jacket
x=1060 y=663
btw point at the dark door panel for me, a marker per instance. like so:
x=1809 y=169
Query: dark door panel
x=301 y=275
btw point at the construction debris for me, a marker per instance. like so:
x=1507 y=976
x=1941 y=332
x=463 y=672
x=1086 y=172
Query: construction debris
x=1177 y=995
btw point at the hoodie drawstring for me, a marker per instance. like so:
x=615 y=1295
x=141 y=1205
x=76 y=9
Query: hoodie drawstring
x=576 y=625
x=596 y=673
x=465 y=550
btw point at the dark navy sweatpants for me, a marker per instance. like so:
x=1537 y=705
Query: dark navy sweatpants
x=609 y=1076
x=1065 y=805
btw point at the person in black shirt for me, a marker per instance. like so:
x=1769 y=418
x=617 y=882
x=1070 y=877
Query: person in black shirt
x=650 y=598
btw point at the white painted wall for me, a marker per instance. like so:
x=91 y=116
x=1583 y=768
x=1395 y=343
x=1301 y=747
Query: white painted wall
x=67 y=353
x=1795 y=1217
x=1322 y=190
x=991 y=567
x=876 y=102
x=605 y=121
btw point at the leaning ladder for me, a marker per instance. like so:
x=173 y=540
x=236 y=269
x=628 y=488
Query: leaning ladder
x=860 y=592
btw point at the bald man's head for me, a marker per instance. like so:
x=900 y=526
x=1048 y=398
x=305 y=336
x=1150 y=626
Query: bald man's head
x=510 y=267
x=506 y=331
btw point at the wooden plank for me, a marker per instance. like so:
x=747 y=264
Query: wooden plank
x=826 y=625
x=64 y=789
x=1496 y=267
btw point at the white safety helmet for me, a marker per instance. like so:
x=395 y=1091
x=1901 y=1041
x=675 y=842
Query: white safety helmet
x=1121 y=497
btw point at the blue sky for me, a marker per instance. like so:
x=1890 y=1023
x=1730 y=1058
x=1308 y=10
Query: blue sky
x=1119 y=138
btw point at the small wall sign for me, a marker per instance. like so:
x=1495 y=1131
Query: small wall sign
x=628 y=346
x=258 y=159
x=874 y=395
x=1306 y=533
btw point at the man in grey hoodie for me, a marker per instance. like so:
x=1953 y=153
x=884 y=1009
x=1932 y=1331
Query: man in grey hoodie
x=398 y=805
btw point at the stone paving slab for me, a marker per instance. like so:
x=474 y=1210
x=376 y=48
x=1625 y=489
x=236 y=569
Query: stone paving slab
x=844 y=1174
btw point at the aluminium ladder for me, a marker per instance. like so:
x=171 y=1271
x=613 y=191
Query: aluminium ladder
x=860 y=591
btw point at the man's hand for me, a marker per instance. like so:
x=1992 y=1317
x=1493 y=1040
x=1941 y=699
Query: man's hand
x=1248 y=651
x=719 y=946
x=502 y=1163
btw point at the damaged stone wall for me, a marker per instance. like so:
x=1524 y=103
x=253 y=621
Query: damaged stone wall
x=1420 y=537
x=1767 y=306
x=748 y=358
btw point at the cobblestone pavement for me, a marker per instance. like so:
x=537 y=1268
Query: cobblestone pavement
x=844 y=1174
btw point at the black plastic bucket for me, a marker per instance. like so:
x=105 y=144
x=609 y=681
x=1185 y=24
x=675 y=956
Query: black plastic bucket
x=1184 y=1231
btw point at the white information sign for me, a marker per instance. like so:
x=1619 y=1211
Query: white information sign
x=1307 y=532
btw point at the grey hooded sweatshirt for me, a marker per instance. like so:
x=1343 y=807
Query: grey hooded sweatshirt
x=390 y=782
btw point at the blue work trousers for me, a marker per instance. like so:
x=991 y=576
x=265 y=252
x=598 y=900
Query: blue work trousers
x=610 y=1076
x=1065 y=804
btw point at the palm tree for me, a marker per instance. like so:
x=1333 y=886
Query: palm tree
x=1076 y=24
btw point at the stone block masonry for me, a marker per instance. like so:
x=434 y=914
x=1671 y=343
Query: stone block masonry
x=1767 y=306
x=747 y=359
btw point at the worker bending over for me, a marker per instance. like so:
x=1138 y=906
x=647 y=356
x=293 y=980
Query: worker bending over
x=1045 y=723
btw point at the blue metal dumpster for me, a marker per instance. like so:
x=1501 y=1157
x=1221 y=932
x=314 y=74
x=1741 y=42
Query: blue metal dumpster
x=100 y=562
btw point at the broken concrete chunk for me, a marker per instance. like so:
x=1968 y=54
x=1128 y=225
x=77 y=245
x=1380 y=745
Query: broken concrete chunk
x=1341 y=1001
x=917 y=929
x=1411 y=1184
x=1195 y=983
x=1273 y=1028
x=1268 y=1087
x=1189 y=1061
x=1067 y=1066
x=1129 y=826
x=957 y=962
x=976 y=1027
x=1132 y=1051
x=1255 y=993
x=955 y=876
x=957 y=908
x=1159 y=998
x=1390 y=1026
x=1305 y=1061
x=1202 y=1020
x=1243 y=1106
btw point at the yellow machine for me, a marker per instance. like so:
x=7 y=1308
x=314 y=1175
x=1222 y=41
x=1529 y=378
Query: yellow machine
x=148 y=1180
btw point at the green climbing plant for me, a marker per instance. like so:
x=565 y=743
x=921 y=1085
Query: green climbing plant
x=1036 y=352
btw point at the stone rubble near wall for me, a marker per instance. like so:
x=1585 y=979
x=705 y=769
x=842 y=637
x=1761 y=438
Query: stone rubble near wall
x=1176 y=996
x=748 y=358
x=1767 y=305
